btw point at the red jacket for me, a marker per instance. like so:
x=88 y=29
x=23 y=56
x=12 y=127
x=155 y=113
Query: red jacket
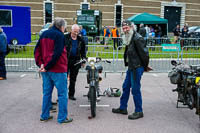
x=50 y=51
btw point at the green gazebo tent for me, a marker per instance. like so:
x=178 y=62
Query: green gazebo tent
x=150 y=19
x=147 y=18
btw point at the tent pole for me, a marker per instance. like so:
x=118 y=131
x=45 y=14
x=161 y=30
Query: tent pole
x=167 y=29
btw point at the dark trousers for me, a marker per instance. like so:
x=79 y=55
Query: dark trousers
x=115 y=40
x=72 y=72
x=2 y=65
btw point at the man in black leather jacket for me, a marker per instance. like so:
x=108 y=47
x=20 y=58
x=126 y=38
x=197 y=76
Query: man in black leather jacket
x=76 y=50
x=136 y=58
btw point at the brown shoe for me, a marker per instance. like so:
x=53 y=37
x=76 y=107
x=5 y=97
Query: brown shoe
x=2 y=78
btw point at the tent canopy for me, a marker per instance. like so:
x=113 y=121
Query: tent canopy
x=147 y=18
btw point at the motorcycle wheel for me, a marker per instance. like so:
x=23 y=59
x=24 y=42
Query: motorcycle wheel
x=198 y=102
x=92 y=96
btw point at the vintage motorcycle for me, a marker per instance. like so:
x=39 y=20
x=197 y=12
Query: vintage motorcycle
x=187 y=79
x=93 y=70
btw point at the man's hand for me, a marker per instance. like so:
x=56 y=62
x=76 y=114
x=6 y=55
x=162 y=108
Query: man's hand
x=83 y=65
x=149 y=69
x=42 y=69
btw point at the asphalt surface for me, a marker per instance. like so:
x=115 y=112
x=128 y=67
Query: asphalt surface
x=21 y=98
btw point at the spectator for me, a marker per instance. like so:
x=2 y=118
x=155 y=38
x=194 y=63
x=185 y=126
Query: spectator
x=142 y=30
x=151 y=33
x=147 y=31
x=137 y=60
x=158 y=33
x=83 y=33
x=3 y=53
x=50 y=56
x=176 y=33
x=184 y=32
x=76 y=51
x=115 y=35
x=184 y=35
x=106 y=35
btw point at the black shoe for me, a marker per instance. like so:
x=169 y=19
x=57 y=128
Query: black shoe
x=136 y=115
x=72 y=98
x=45 y=120
x=120 y=111
x=67 y=120
x=53 y=109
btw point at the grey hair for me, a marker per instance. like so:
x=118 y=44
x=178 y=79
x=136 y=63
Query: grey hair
x=134 y=27
x=60 y=22
x=74 y=26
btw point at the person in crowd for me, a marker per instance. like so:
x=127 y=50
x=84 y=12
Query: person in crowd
x=137 y=61
x=115 y=35
x=151 y=33
x=3 y=53
x=158 y=33
x=184 y=35
x=184 y=32
x=51 y=57
x=106 y=35
x=76 y=51
x=147 y=31
x=176 y=32
x=142 y=30
x=83 y=33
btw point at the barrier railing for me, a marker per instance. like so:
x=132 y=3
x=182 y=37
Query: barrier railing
x=21 y=58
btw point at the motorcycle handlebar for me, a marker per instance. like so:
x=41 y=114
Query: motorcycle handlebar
x=84 y=61
x=80 y=62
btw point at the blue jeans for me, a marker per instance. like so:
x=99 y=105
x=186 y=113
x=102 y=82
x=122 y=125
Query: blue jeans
x=60 y=81
x=134 y=83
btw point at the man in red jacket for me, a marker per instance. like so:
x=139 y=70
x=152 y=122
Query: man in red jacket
x=50 y=55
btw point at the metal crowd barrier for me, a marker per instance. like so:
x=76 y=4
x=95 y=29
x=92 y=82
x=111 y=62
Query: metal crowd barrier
x=21 y=57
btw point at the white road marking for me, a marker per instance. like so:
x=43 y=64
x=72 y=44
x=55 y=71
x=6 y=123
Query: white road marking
x=96 y=105
x=155 y=75
x=12 y=65
x=23 y=75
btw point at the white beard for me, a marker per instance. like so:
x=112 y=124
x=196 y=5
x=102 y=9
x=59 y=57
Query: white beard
x=127 y=37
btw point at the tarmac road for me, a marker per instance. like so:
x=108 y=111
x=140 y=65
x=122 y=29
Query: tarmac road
x=21 y=98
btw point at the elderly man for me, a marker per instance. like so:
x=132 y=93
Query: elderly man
x=50 y=55
x=136 y=58
x=76 y=51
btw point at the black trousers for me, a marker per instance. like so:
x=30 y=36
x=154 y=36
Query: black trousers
x=72 y=72
x=115 y=40
x=2 y=65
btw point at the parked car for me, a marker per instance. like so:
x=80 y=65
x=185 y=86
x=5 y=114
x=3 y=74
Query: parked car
x=197 y=33
x=44 y=28
x=194 y=31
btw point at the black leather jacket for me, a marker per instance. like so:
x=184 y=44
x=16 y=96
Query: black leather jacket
x=136 y=53
x=81 y=53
